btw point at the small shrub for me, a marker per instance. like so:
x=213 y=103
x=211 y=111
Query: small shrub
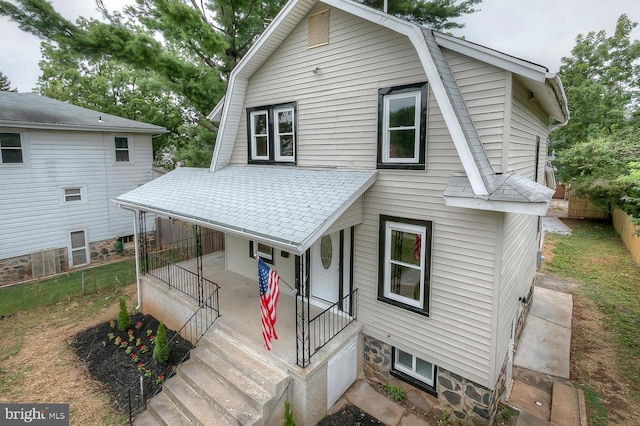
x=161 y=349
x=288 y=414
x=395 y=393
x=124 y=321
x=119 y=247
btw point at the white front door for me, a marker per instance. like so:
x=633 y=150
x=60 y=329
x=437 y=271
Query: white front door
x=325 y=268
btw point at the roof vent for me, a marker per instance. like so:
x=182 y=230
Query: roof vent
x=318 y=32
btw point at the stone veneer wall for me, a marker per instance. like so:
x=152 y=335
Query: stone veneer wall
x=20 y=268
x=14 y=269
x=466 y=402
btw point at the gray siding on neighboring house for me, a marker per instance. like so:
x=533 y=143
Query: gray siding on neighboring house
x=33 y=214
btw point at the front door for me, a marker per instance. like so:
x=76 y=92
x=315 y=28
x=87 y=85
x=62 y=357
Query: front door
x=325 y=268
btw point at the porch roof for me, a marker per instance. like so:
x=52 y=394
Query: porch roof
x=285 y=207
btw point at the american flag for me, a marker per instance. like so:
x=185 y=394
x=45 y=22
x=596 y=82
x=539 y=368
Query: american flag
x=268 y=280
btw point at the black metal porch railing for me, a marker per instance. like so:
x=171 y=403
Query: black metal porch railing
x=185 y=281
x=192 y=330
x=314 y=334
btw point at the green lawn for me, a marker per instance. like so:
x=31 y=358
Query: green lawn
x=595 y=256
x=63 y=287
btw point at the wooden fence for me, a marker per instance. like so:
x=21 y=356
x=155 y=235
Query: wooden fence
x=171 y=231
x=582 y=207
x=626 y=229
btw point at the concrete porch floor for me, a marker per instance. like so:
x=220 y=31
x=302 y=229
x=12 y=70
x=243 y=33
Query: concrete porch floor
x=240 y=313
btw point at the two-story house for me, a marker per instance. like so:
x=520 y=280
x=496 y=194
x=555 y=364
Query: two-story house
x=391 y=174
x=60 y=165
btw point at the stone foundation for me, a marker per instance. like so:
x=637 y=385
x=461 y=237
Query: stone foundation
x=15 y=269
x=21 y=268
x=465 y=402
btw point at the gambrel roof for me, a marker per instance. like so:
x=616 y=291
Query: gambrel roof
x=31 y=111
x=428 y=45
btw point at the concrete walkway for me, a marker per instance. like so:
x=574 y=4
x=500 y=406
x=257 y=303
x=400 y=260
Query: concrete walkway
x=545 y=343
x=364 y=396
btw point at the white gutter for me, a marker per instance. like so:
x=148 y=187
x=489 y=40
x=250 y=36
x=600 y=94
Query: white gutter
x=88 y=128
x=279 y=244
x=136 y=239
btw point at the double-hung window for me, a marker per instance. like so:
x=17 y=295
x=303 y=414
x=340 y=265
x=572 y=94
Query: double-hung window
x=404 y=264
x=272 y=134
x=122 y=148
x=11 y=149
x=402 y=127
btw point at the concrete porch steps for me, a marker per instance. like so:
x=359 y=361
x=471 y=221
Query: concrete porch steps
x=564 y=406
x=223 y=383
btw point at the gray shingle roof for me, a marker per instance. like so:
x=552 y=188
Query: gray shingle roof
x=28 y=110
x=289 y=206
x=509 y=187
x=461 y=111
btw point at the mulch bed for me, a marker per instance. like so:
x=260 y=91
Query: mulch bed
x=349 y=415
x=110 y=363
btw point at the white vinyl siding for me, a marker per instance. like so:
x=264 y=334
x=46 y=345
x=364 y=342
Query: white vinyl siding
x=528 y=122
x=518 y=269
x=337 y=116
x=337 y=127
x=34 y=216
x=237 y=260
x=483 y=88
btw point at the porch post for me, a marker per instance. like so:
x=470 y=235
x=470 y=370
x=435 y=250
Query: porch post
x=136 y=242
x=198 y=233
x=303 y=342
x=142 y=229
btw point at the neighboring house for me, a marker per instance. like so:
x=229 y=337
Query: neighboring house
x=357 y=151
x=60 y=164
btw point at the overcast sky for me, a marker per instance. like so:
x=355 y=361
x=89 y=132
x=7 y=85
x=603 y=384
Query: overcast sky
x=541 y=31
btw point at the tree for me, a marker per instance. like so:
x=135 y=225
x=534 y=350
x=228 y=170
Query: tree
x=602 y=84
x=435 y=14
x=160 y=353
x=124 y=321
x=5 y=83
x=114 y=88
x=189 y=46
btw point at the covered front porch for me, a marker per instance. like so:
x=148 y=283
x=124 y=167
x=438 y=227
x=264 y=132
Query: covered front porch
x=303 y=328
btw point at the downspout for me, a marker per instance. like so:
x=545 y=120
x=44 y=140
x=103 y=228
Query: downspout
x=136 y=239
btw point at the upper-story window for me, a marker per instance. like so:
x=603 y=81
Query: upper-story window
x=272 y=133
x=122 y=148
x=11 y=149
x=402 y=126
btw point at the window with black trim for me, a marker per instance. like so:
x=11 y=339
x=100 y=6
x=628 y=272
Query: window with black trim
x=414 y=370
x=402 y=127
x=405 y=263
x=122 y=148
x=11 y=149
x=264 y=251
x=272 y=133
